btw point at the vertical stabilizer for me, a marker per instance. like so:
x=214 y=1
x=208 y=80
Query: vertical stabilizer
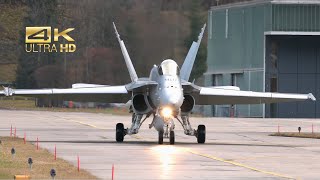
x=132 y=71
x=191 y=56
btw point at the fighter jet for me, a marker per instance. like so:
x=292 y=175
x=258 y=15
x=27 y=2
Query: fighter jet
x=167 y=95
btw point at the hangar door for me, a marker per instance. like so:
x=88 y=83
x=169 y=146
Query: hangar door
x=293 y=66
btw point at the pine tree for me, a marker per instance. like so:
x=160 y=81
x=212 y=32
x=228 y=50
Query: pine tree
x=196 y=22
x=41 y=13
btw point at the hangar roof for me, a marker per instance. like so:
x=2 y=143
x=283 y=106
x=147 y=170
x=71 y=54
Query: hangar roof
x=257 y=2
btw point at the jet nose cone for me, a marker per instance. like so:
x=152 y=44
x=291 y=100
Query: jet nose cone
x=174 y=101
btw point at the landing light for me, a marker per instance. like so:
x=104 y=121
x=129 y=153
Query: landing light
x=166 y=112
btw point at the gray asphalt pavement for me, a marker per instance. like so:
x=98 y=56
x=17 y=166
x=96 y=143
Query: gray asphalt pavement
x=235 y=148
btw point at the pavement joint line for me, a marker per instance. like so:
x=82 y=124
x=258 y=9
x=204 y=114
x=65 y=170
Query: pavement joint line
x=239 y=164
x=91 y=125
x=87 y=124
x=136 y=136
x=79 y=122
x=257 y=157
x=103 y=137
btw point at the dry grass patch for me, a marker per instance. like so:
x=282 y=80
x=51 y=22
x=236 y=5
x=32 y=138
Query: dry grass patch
x=299 y=135
x=17 y=104
x=43 y=162
x=21 y=104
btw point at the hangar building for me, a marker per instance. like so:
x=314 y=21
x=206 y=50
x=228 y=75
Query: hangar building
x=265 y=45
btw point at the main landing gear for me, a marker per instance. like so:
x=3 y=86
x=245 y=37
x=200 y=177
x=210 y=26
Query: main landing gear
x=200 y=133
x=136 y=123
x=120 y=132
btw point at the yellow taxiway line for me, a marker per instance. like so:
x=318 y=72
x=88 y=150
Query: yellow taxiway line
x=239 y=164
x=207 y=156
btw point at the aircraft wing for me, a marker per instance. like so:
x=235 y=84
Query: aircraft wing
x=110 y=94
x=211 y=95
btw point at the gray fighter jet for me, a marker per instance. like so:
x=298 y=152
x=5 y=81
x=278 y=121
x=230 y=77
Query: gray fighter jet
x=166 y=94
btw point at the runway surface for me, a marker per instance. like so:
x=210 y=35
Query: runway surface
x=235 y=148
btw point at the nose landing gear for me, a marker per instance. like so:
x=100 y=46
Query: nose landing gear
x=160 y=137
x=167 y=131
x=171 y=137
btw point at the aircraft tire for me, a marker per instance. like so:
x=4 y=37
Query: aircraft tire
x=119 y=132
x=172 y=138
x=160 y=140
x=201 y=136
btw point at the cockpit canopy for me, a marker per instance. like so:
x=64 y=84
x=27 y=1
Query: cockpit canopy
x=169 y=67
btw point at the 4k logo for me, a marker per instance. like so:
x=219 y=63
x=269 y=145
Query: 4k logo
x=38 y=34
x=42 y=39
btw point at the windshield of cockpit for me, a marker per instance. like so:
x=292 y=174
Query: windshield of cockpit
x=169 y=67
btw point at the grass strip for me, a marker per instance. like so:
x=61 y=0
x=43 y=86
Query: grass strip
x=299 y=135
x=43 y=162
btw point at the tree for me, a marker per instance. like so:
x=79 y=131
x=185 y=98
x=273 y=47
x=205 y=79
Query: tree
x=197 y=19
x=41 y=13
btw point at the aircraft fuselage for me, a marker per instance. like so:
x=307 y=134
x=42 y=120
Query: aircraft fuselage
x=169 y=92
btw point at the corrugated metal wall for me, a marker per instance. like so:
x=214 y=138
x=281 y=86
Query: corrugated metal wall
x=236 y=37
x=295 y=17
x=236 y=45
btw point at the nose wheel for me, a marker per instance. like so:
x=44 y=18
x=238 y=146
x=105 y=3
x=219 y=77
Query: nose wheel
x=160 y=137
x=201 y=134
x=171 y=137
x=120 y=132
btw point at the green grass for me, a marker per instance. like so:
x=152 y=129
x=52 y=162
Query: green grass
x=298 y=135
